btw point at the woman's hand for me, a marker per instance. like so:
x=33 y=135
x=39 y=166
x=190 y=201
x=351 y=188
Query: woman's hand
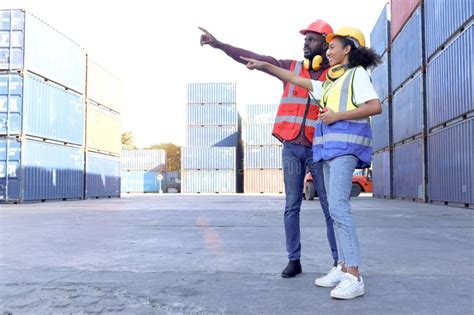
x=254 y=64
x=328 y=116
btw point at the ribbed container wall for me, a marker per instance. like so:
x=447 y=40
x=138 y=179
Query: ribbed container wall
x=22 y=46
x=103 y=129
x=443 y=20
x=261 y=113
x=451 y=164
x=406 y=56
x=143 y=160
x=35 y=171
x=141 y=182
x=259 y=134
x=209 y=158
x=380 y=129
x=208 y=181
x=382 y=174
x=102 y=175
x=379 y=37
x=401 y=10
x=212 y=136
x=215 y=93
x=263 y=157
x=259 y=181
x=103 y=87
x=450 y=81
x=212 y=114
x=407 y=110
x=380 y=78
x=408 y=170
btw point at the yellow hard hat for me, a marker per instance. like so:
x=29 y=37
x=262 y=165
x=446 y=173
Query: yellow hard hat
x=349 y=32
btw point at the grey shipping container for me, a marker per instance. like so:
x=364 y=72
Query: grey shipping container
x=208 y=181
x=380 y=129
x=22 y=46
x=380 y=78
x=443 y=19
x=407 y=110
x=408 y=170
x=102 y=175
x=201 y=93
x=449 y=81
x=259 y=157
x=212 y=114
x=143 y=160
x=406 y=57
x=379 y=37
x=209 y=158
x=381 y=174
x=213 y=136
x=451 y=164
x=33 y=106
x=261 y=113
x=141 y=182
x=259 y=134
x=34 y=171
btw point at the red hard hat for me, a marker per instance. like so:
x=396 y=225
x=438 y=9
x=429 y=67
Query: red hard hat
x=318 y=26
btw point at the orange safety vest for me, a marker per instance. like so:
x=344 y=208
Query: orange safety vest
x=292 y=108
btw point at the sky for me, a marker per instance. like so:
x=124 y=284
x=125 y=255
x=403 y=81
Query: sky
x=153 y=47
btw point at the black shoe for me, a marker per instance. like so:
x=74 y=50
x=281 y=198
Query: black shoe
x=292 y=269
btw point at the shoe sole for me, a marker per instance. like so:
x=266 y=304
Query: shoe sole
x=325 y=285
x=290 y=276
x=346 y=298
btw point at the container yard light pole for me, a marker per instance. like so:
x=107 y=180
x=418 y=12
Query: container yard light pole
x=160 y=178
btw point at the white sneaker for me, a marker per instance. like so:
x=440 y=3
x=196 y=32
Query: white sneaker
x=349 y=288
x=334 y=276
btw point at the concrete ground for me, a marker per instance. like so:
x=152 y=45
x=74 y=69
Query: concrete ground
x=223 y=254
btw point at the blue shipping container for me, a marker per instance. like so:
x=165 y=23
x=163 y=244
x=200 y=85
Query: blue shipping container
x=380 y=78
x=22 y=46
x=33 y=170
x=449 y=81
x=407 y=110
x=209 y=158
x=212 y=136
x=443 y=18
x=406 y=57
x=381 y=174
x=33 y=106
x=451 y=164
x=261 y=113
x=408 y=170
x=212 y=114
x=380 y=129
x=260 y=157
x=141 y=182
x=380 y=33
x=102 y=175
x=214 y=93
x=143 y=160
x=259 y=134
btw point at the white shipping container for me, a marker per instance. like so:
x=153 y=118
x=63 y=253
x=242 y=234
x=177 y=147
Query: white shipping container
x=143 y=160
x=209 y=158
x=261 y=113
x=208 y=181
x=212 y=114
x=263 y=156
x=200 y=93
x=103 y=87
x=212 y=136
x=259 y=134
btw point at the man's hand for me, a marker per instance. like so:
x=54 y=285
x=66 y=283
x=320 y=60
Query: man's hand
x=328 y=116
x=208 y=39
x=254 y=64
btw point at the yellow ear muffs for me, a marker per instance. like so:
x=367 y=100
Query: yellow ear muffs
x=314 y=64
x=335 y=72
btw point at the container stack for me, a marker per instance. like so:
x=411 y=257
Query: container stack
x=42 y=111
x=142 y=171
x=263 y=171
x=211 y=161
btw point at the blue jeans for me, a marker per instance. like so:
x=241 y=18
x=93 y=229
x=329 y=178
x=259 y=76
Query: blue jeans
x=338 y=181
x=296 y=159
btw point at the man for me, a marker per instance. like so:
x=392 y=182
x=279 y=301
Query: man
x=294 y=126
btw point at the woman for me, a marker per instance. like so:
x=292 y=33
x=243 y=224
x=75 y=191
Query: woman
x=342 y=140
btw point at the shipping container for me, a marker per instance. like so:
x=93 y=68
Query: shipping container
x=260 y=134
x=102 y=175
x=451 y=164
x=263 y=157
x=408 y=170
x=22 y=46
x=261 y=113
x=449 y=81
x=401 y=10
x=103 y=87
x=380 y=78
x=259 y=181
x=33 y=106
x=443 y=20
x=380 y=129
x=406 y=57
x=143 y=160
x=103 y=130
x=209 y=158
x=141 y=182
x=215 y=93
x=381 y=174
x=407 y=110
x=212 y=136
x=379 y=37
x=37 y=171
x=208 y=181
x=212 y=114
x=172 y=182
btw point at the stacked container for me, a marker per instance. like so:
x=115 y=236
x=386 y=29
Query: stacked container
x=103 y=130
x=142 y=171
x=262 y=152
x=42 y=111
x=211 y=161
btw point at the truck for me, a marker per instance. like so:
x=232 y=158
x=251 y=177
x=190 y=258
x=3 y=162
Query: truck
x=361 y=182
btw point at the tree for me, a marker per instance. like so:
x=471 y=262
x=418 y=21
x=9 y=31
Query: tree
x=173 y=155
x=128 y=141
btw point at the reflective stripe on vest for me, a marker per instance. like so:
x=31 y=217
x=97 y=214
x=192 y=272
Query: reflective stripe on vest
x=343 y=137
